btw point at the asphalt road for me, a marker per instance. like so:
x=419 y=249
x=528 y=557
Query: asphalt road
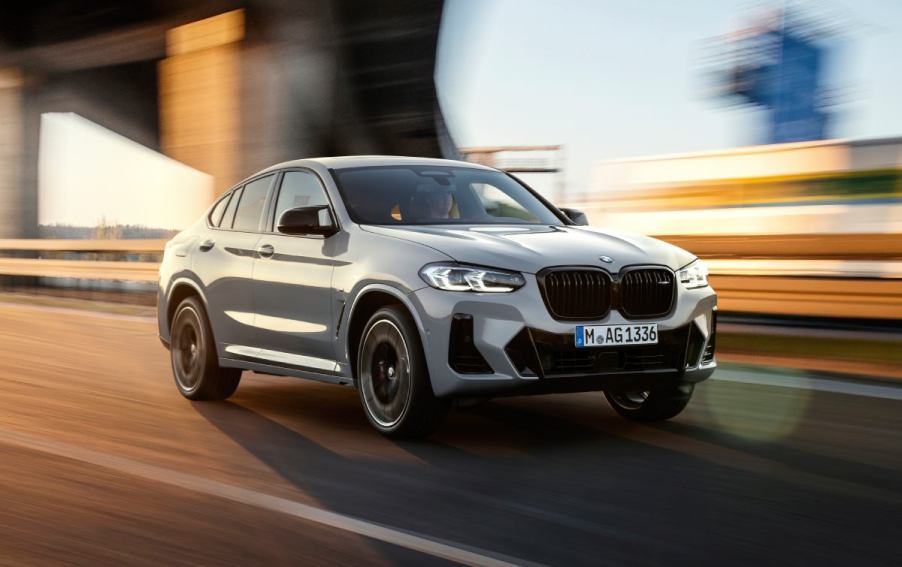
x=102 y=462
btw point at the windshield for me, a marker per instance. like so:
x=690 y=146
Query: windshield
x=408 y=195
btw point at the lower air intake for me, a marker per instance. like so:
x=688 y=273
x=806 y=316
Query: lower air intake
x=463 y=356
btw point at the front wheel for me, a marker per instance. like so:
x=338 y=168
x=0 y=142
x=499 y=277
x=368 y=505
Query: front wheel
x=392 y=377
x=656 y=404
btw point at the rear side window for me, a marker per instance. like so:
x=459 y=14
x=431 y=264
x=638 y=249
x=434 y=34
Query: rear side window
x=219 y=209
x=250 y=207
x=230 y=210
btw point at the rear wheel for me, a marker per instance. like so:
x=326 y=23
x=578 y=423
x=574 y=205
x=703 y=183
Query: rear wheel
x=656 y=404
x=392 y=378
x=195 y=365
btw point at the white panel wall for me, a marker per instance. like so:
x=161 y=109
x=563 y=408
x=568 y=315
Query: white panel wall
x=87 y=173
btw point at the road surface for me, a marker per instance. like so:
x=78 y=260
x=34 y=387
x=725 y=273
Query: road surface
x=102 y=462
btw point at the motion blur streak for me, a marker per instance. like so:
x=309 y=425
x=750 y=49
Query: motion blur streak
x=760 y=485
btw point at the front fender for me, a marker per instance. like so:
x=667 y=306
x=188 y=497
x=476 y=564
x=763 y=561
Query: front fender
x=353 y=303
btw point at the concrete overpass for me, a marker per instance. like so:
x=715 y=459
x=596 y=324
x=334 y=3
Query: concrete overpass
x=224 y=86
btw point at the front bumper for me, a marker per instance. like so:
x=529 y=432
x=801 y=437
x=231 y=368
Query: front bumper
x=494 y=344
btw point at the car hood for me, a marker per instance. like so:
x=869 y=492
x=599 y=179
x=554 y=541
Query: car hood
x=532 y=248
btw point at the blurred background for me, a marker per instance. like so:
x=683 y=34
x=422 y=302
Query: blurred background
x=765 y=137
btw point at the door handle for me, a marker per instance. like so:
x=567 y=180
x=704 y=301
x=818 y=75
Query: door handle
x=207 y=244
x=266 y=251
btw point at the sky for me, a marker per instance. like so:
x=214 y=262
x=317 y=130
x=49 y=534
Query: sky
x=620 y=78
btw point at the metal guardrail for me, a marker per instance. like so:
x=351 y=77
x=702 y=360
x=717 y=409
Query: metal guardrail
x=811 y=297
x=75 y=245
x=81 y=269
x=877 y=246
x=762 y=293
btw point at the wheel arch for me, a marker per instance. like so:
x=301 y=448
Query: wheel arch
x=181 y=289
x=366 y=302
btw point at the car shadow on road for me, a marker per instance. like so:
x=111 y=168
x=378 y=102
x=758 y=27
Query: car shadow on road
x=506 y=460
x=328 y=478
x=305 y=429
x=566 y=467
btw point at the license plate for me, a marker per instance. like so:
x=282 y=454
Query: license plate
x=610 y=335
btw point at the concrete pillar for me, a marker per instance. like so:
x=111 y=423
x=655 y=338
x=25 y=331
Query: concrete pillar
x=199 y=96
x=16 y=217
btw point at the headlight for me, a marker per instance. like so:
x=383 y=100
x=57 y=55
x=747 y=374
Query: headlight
x=454 y=277
x=694 y=275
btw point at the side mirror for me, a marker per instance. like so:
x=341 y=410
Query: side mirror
x=578 y=217
x=307 y=220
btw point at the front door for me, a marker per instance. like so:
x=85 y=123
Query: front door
x=293 y=285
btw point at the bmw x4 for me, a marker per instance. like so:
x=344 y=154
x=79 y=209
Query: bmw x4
x=423 y=281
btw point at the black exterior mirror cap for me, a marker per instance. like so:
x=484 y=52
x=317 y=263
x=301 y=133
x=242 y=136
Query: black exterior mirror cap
x=307 y=220
x=576 y=216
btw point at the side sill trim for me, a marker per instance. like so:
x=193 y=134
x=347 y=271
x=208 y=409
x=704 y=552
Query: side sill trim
x=288 y=359
x=275 y=370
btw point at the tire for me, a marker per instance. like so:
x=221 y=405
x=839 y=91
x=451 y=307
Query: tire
x=195 y=365
x=392 y=377
x=656 y=404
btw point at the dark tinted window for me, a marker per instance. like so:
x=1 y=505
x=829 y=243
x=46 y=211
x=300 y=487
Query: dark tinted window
x=250 y=208
x=406 y=195
x=218 y=209
x=299 y=189
x=230 y=211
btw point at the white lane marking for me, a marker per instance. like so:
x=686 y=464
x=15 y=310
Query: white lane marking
x=445 y=550
x=807 y=383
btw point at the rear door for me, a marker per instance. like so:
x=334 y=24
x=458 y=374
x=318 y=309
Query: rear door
x=225 y=263
x=293 y=283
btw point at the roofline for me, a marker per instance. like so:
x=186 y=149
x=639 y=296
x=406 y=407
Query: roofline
x=345 y=162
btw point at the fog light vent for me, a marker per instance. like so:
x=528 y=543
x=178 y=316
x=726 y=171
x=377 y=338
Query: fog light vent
x=463 y=356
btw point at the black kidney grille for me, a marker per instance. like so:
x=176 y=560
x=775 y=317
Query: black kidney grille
x=577 y=294
x=646 y=292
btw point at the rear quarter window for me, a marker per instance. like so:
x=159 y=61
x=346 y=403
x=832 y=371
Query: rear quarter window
x=219 y=209
x=229 y=215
